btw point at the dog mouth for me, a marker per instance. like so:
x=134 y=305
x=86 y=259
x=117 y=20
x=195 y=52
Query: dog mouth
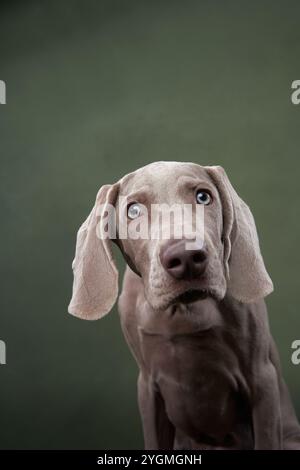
x=190 y=296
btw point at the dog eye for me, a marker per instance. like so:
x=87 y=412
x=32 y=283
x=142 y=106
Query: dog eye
x=134 y=210
x=202 y=197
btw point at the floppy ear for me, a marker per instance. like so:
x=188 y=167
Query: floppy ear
x=248 y=279
x=95 y=286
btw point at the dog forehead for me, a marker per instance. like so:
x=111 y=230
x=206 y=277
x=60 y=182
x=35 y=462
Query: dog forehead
x=161 y=177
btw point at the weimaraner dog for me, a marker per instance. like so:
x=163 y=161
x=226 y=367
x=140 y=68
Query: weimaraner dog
x=194 y=319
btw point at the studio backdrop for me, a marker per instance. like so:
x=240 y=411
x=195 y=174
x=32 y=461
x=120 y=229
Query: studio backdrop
x=94 y=90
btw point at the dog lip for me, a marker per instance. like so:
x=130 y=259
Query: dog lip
x=191 y=295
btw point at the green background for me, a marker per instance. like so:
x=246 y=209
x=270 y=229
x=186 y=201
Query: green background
x=96 y=89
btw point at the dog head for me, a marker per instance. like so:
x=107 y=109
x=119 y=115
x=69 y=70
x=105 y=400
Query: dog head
x=178 y=261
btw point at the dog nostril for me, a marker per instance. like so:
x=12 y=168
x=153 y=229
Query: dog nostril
x=198 y=257
x=173 y=263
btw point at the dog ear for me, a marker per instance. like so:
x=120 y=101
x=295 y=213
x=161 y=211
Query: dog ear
x=95 y=286
x=248 y=279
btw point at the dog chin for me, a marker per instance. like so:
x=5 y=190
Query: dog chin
x=192 y=295
x=186 y=297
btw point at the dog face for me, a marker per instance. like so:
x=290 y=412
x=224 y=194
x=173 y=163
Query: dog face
x=170 y=270
x=225 y=255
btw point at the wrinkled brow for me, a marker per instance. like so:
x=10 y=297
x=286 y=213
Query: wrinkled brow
x=194 y=182
x=141 y=196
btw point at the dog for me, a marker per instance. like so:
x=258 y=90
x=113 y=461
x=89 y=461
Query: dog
x=195 y=319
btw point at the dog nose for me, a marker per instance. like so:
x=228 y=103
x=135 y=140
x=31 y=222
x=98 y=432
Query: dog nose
x=181 y=263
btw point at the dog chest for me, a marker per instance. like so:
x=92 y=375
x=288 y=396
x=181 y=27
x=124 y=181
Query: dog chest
x=193 y=375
